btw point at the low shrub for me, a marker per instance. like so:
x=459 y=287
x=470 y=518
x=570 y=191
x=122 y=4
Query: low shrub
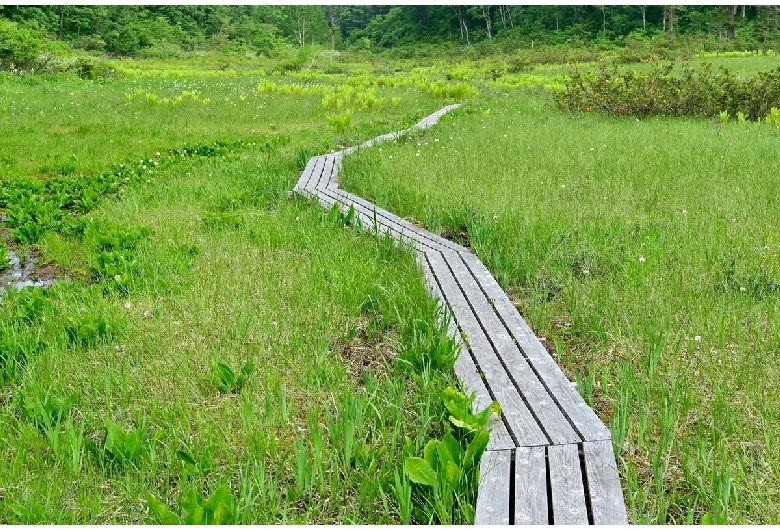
x=698 y=92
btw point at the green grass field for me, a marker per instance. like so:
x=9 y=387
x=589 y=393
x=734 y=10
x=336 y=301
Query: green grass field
x=645 y=251
x=112 y=400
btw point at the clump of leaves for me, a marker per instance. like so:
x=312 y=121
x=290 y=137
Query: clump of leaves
x=5 y=257
x=341 y=120
x=693 y=92
x=225 y=380
x=218 y=508
x=88 y=329
x=222 y=220
x=448 y=468
x=120 y=448
x=45 y=412
x=27 y=304
x=428 y=346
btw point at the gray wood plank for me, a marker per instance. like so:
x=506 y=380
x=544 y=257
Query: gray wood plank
x=384 y=216
x=568 y=490
x=316 y=172
x=531 y=504
x=467 y=373
x=306 y=174
x=327 y=173
x=493 y=489
x=606 y=494
x=367 y=218
x=522 y=424
x=555 y=424
x=584 y=418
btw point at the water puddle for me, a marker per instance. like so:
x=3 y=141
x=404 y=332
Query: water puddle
x=19 y=276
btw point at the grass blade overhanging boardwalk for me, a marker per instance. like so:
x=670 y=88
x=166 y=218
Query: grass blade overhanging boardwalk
x=550 y=458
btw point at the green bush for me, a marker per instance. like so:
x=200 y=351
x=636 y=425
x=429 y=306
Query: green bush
x=694 y=92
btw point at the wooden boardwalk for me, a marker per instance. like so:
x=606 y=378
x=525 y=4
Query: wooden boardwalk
x=550 y=458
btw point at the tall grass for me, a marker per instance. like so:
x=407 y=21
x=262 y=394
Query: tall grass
x=109 y=411
x=647 y=252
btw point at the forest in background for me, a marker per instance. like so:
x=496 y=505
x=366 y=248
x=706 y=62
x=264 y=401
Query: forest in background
x=168 y=31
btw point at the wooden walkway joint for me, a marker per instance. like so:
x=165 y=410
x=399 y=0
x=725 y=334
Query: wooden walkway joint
x=550 y=459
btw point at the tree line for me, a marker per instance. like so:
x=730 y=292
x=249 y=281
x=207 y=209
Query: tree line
x=126 y=30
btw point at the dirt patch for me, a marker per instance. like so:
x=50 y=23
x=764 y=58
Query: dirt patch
x=362 y=354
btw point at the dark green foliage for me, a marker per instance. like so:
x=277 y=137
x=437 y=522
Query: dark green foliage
x=218 y=508
x=428 y=347
x=225 y=380
x=46 y=412
x=26 y=305
x=120 y=448
x=693 y=92
x=5 y=257
x=88 y=329
x=448 y=469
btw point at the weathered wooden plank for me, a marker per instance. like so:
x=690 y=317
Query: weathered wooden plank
x=581 y=415
x=306 y=174
x=367 y=218
x=467 y=373
x=316 y=173
x=384 y=216
x=493 y=489
x=327 y=173
x=519 y=419
x=606 y=494
x=531 y=504
x=554 y=423
x=568 y=491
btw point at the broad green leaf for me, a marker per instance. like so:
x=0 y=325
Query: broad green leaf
x=248 y=368
x=185 y=457
x=462 y=424
x=452 y=472
x=419 y=471
x=454 y=447
x=191 y=509
x=219 y=507
x=475 y=449
x=430 y=454
x=161 y=512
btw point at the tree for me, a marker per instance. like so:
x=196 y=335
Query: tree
x=669 y=21
x=460 y=12
x=333 y=12
x=486 y=16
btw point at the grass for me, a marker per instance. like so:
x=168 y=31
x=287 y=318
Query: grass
x=647 y=252
x=204 y=260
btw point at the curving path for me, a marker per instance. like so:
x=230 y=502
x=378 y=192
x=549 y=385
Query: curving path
x=550 y=459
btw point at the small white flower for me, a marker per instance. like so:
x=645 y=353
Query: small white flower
x=641 y=259
x=697 y=338
x=297 y=218
x=144 y=166
x=592 y=148
x=685 y=212
x=127 y=305
x=390 y=156
x=585 y=271
x=742 y=289
x=274 y=323
x=158 y=153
